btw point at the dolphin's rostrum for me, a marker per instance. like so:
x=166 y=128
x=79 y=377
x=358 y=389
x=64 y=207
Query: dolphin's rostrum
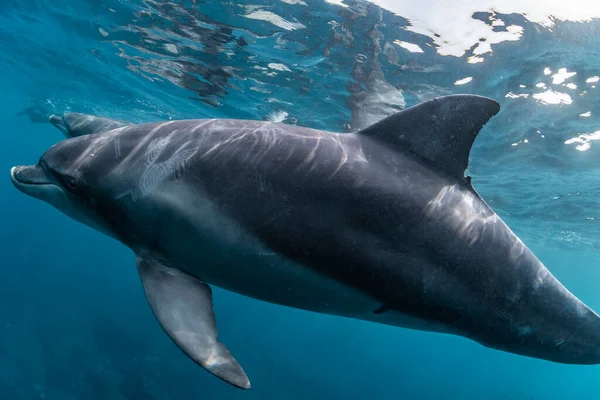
x=379 y=225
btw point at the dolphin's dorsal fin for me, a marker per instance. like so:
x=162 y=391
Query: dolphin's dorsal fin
x=441 y=130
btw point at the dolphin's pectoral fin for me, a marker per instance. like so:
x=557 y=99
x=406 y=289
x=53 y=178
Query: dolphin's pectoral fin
x=440 y=131
x=183 y=306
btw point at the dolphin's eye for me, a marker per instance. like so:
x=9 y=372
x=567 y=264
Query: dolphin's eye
x=70 y=183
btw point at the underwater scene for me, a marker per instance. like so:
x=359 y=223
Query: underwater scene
x=299 y=199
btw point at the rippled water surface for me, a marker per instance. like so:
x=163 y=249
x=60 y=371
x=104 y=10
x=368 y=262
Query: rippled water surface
x=74 y=322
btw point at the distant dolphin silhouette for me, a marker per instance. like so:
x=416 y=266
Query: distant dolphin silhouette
x=379 y=225
x=36 y=114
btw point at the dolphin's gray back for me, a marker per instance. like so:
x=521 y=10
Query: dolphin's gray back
x=336 y=203
x=269 y=177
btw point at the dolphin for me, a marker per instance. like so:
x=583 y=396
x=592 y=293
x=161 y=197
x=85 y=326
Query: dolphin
x=76 y=124
x=36 y=113
x=379 y=225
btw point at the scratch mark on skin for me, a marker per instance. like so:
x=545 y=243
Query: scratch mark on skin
x=250 y=150
x=155 y=173
x=267 y=136
x=117 y=148
x=232 y=139
x=343 y=157
x=201 y=125
x=311 y=156
x=155 y=148
x=123 y=164
x=98 y=143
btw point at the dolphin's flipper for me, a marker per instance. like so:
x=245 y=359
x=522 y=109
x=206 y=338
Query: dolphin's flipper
x=440 y=131
x=183 y=306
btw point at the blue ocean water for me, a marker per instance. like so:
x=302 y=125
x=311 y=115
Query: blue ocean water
x=74 y=323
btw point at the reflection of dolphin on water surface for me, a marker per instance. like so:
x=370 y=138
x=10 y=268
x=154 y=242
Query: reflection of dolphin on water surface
x=379 y=225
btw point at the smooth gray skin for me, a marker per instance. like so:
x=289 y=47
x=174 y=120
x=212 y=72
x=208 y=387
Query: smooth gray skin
x=379 y=225
x=76 y=124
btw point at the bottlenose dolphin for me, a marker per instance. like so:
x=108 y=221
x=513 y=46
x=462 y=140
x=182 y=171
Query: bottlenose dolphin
x=36 y=113
x=380 y=225
x=76 y=124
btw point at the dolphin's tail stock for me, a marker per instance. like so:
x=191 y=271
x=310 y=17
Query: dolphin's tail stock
x=553 y=324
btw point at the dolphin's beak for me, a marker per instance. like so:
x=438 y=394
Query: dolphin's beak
x=59 y=122
x=31 y=180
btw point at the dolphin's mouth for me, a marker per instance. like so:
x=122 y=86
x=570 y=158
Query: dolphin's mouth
x=31 y=175
x=60 y=123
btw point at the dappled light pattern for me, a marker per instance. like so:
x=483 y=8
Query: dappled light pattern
x=470 y=218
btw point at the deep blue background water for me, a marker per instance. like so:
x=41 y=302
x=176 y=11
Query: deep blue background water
x=74 y=323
